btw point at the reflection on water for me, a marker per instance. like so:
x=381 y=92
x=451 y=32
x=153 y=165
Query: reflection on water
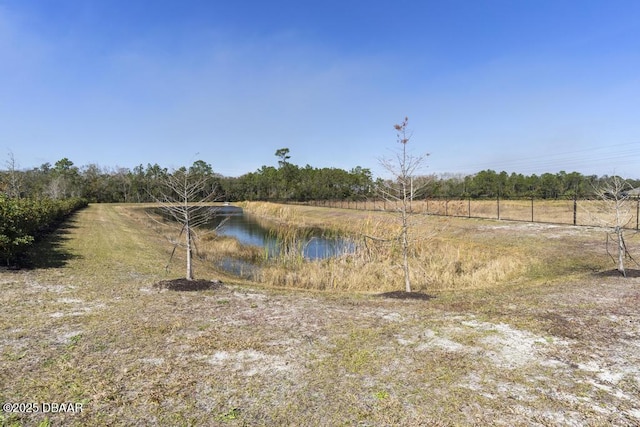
x=238 y=267
x=313 y=245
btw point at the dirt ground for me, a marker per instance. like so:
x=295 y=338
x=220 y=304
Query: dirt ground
x=565 y=353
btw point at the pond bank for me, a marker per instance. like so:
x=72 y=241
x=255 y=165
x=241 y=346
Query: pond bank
x=245 y=244
x=447 y=253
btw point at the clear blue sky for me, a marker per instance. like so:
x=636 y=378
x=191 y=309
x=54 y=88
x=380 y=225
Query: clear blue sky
x=526 y=86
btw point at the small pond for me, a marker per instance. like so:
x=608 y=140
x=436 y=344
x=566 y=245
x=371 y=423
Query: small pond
x=311 y=245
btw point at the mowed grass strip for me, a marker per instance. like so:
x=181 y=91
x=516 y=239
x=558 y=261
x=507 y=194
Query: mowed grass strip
x=75 y=333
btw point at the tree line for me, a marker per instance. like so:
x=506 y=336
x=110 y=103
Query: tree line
x=99 y=184
x=492 y=184
x=284 y=182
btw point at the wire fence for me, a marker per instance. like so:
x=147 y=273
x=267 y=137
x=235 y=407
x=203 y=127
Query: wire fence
x=581 y=212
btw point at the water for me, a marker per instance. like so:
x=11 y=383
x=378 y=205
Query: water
x=312 y=246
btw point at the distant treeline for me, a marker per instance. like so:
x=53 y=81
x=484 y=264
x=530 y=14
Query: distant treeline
x=492 y=184
x=287 y=181
x=145 y=184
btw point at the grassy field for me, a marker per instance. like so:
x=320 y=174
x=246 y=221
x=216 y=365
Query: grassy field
x=556 y=344
x=587 y=212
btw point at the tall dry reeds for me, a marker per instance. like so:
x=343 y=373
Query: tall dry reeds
x=436 y=263
x=440 y=258
x=283 y=214
x=441 y=266
x=214 y=247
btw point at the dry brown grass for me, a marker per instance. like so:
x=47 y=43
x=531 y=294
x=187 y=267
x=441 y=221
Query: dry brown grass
x=588 y=212
x=216 y=247
x=446 y=253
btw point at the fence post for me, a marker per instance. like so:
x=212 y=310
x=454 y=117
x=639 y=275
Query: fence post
x=531 y=208
x=446 y=207
x=575 y=210
x=469 y=206
x=637 y=211
x=498 y=198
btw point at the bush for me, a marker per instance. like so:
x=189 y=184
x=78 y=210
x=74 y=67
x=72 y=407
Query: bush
x=22 y=221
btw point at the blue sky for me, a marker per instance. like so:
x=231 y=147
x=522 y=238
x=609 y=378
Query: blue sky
x=523 y=86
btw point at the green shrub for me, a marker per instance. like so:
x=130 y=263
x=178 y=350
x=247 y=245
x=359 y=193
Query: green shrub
x=22 y=221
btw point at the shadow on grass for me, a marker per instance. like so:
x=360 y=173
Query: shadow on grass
x=630 y=272
x=188 y=285
x=406 y=295
x=48 y=251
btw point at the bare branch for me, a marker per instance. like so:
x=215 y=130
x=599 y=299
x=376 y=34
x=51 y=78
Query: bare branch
x=400 y=190
x=183 y=200
x=614 y=213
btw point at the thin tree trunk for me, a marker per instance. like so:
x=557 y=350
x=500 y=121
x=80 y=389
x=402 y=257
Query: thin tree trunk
x=189 y=267
x=621 y=252
x=405 y=258
x=188 y=244
x=405 y=234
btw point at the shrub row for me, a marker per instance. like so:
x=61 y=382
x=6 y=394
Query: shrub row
x=22 y=221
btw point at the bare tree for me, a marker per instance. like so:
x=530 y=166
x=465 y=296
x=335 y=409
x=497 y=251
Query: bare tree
x=614 y=212
x=14 y=178
x=181 y=198
x=400 y=190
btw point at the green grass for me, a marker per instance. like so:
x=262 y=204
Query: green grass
x=90 y=327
